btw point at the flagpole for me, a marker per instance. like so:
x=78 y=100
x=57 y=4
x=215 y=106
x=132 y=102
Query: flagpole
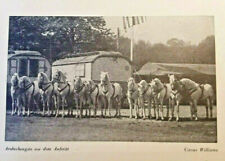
x=131 y=44
x=132 y=49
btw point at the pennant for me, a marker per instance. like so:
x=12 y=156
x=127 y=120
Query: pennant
x=142 y=19
x=128 y=22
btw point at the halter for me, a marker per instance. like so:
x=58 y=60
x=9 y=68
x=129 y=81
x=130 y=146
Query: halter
x=79 y=89
x=105 y=92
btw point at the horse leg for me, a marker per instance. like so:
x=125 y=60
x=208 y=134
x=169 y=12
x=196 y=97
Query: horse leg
x=161 y=110
x=171 y=109
x=195 y=109
x=19 y=105
x=13 y=106
x=48 y=105
x=149 y=109
x=143 y=108
x=157 y=111
x=211 y=107
x=207 y=106
x=131 y=107
x=119 y=106
x=191 y=109
x=177 y=110
x=44 y=103
x=57 y=104
x=136 y=108
x=109 y=106
x=63 y=106
x=95 y=107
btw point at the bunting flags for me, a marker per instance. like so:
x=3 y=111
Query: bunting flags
x=129 y=22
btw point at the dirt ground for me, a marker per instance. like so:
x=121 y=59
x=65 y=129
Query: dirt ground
x=37 y=128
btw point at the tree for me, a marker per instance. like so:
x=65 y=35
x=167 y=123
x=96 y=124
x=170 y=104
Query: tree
x=54 y=35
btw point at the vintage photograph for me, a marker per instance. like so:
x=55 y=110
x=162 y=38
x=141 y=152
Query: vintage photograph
x=120 y=78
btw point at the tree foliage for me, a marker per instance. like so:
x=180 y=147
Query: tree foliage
x=174 y=51
x=55 y=36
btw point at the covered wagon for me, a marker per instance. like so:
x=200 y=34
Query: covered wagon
x=89 y=65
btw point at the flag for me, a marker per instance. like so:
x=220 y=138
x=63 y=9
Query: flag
x=133 y=21
x=142 y=19
x=118 y=32
x=137 y=20
x=124 y=24
x=128 y=22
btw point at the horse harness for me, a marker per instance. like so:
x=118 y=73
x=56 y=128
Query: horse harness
x=80 y=89
x=28 y=87
x=67 y=85
x=105 y=92
x=45 y=89
x=92 y=90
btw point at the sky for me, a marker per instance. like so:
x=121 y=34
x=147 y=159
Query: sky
x=159 y=29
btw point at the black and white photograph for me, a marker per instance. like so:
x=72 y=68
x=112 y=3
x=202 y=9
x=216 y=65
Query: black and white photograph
x=111 y=78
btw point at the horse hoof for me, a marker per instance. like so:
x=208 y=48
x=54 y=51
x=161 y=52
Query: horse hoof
x=162 y=119
x=170 y=119
x=177 y=119
x=196 y=119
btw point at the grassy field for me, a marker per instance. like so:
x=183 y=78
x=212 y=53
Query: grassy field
x=37 y=128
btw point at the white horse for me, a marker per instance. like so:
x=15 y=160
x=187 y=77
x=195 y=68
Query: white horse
x=15 y=94
x=175 y=99
x=111 y=91
x=81 y=96
x=194 y=92
x=133 y=96
x=31 y=92
x=65 y=89
x=49 y=92
x=146 y=95
x=161 y=94
x=93 y=95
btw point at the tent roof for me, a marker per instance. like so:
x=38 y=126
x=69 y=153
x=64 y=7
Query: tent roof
x=164 y=69
x=87 y=57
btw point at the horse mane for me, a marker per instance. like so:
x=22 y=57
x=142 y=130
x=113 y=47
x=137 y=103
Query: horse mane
x=62 y=76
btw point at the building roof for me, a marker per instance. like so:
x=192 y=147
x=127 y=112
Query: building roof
x=88 y=57
x=158 y=69
x=23 y=53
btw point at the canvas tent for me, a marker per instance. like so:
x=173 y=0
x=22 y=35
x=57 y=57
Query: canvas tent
x=160 y=69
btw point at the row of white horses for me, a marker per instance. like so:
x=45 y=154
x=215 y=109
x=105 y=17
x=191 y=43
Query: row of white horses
x=89 y=95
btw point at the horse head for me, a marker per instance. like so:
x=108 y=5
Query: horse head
x=42 y=79
x=24 y=81
x=77 y=83
x=142 y=87
x=58 y=76
x=90 y=85
x=15 y=80
x=156 y=84
x=131 y=84
x=104 y=78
